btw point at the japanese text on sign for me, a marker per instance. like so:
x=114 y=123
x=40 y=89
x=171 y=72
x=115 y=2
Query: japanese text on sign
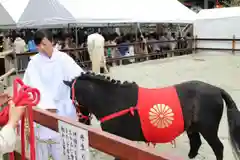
x=74 y=142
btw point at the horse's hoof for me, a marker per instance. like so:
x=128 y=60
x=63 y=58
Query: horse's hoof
x=192 y=155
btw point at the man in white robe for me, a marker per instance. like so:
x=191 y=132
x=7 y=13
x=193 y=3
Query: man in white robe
x=46 y=72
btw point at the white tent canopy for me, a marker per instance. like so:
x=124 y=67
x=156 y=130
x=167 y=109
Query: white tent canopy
x=28 y=13
x=49 y=12
x=35 y=13
x=218 y=23
x=110 y=11
x=218 y=13
x=164 y=11
x=98 y=11
x=10 y=11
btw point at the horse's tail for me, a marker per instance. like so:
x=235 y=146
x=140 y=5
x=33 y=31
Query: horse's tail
x=233 y=122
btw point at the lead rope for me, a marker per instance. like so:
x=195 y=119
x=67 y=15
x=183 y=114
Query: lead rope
x=23 y=96
x=29 y=97
x=74 y=101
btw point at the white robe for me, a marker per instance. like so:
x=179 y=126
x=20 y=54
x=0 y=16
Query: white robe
x=47 y=75
x=7 y=140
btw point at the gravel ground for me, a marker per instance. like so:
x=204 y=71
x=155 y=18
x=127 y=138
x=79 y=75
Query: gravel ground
x=221 y=70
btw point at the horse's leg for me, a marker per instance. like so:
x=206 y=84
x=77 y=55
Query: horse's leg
x=210 y=114
x=195 y=143
x=210 y=134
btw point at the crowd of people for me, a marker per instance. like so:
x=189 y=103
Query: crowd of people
x=119 y=44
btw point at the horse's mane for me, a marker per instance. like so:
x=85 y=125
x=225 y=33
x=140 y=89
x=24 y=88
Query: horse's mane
x=105 y=79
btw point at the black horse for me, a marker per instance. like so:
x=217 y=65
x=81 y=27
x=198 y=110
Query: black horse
x=201 y=105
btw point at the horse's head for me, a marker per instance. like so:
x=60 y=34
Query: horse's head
x=101 y=95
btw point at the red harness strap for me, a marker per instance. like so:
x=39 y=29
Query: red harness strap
x=73 y=91
x=118 y=114
x=23 y=96
x=74 y=101
x=106 y=118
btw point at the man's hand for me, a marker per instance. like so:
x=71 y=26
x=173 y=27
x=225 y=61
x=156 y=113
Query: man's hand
x=15 y=114
x=4 y=98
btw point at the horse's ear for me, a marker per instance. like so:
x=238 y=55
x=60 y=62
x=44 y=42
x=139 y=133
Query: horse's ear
x=68 y=83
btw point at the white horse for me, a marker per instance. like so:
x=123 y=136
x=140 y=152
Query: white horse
x=95 y=45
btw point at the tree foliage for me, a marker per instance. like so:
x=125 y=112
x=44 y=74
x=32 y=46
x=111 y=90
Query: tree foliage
x=235 y=3
x=230 y=3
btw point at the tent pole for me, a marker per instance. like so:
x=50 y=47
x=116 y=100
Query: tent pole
x=136 y=31
x=205 y=4
x=76 y=35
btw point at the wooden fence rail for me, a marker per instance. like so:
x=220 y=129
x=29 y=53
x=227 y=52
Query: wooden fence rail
x=103 y=141
x=233 y=40
x=12 y=60
x=195 y=39
x=4 y=78
x=110 y=46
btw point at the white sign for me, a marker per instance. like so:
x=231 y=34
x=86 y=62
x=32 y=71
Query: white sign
x=74 y=142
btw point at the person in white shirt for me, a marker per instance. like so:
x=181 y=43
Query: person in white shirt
x=7 y=133
x=58 y=46
x=19 y=44
x=46 y=72
x=19 y=47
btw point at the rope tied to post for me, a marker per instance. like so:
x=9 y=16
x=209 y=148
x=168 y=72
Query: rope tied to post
x=23 y=96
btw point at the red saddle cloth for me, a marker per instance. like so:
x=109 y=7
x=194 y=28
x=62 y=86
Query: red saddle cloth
x=160 y=114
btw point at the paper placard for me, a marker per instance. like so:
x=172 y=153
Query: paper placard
x=74 y=142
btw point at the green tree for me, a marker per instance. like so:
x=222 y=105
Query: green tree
x=231 y=3
x=235 y=3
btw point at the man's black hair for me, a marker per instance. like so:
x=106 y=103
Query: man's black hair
x=40 y=34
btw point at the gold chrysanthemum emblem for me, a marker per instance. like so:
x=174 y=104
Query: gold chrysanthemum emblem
x=161 y=116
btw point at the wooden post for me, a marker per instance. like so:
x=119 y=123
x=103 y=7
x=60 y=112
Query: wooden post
x=120 y=62
x=205 y=4
x=4 y=79
x=195 y=44
x=145 y=47
x=8 y=63
x=233 y=44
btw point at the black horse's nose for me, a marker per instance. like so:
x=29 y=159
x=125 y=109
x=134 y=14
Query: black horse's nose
x=84 y=121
